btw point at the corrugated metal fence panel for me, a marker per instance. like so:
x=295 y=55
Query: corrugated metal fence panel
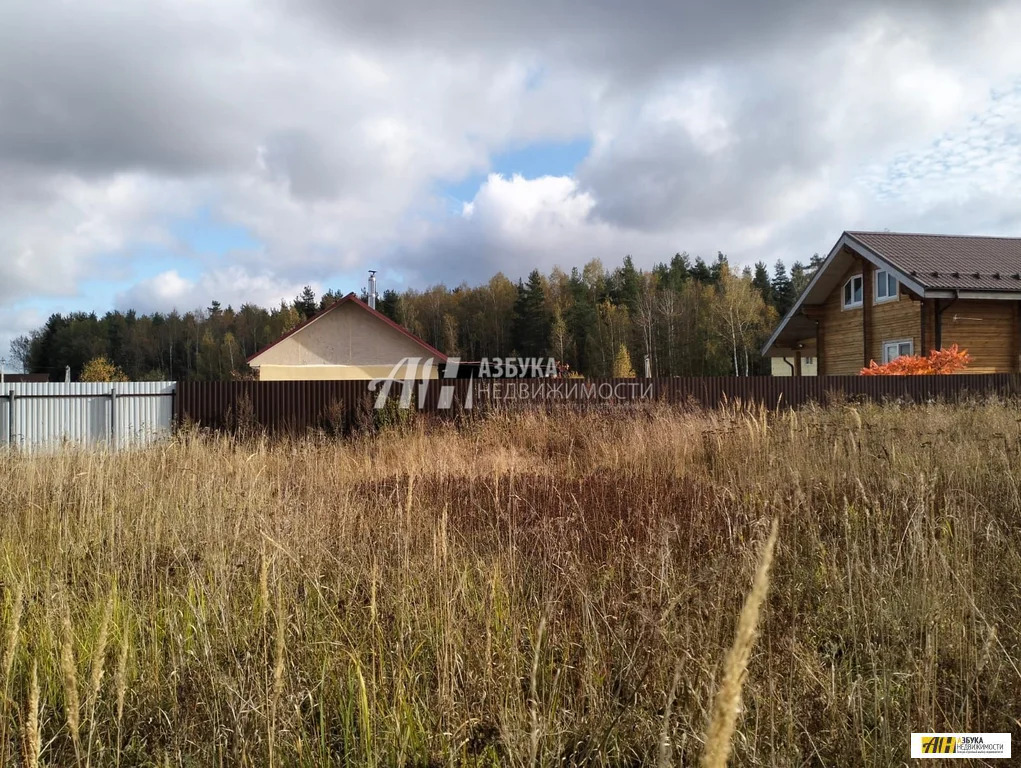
x=297 y=406
x=49 y=415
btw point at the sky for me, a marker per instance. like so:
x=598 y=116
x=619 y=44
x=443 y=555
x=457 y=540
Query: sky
x=164 y=154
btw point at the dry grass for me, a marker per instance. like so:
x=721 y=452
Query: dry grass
x=727 y=704
x=528 y=589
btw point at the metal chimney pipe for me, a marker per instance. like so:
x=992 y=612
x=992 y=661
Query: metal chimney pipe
x=372 y=288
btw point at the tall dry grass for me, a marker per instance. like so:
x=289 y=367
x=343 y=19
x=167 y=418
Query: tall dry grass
x=525 y=590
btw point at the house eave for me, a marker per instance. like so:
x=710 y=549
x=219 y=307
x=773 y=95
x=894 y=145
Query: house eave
x=975 y=295
x=793 y=311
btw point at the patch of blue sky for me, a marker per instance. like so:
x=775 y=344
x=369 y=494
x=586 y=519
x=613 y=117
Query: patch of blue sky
x=204 y=234
x=535 y=78
x=547 y=158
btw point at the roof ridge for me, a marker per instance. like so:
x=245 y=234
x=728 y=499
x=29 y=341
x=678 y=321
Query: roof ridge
x=350 y=297
x=854 y=232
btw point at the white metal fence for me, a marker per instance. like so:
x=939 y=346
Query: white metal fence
x=113 y=415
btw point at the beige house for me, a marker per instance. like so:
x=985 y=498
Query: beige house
x=347 y=340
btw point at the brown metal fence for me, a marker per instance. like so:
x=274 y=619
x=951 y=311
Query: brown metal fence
x=298 y=406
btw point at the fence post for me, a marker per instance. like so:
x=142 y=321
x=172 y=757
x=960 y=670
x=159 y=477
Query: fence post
x=113 y=418
x=10 y=419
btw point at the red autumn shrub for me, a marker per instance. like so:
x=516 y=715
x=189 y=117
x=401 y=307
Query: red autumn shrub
x=939 y=361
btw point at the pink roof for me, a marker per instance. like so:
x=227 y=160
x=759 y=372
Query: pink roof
x=352 y=298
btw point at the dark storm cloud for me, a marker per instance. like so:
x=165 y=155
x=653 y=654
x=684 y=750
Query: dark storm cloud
x=95 y=89
x=627 y=39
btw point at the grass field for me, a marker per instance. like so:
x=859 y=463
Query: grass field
x=524 y=590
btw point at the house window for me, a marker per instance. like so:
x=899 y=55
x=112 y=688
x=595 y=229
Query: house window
x=886 y=286
x=808 y=360
x=853 y=292
x=894 y=349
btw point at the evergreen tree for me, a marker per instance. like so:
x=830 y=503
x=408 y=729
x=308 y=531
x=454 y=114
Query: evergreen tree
x=305 y=303
x=762 y=282
x=387 y=303
x=330 y=297
x=783 y=289
x=678 y=273
x=799 y=279
x=804 y=275
x=701 y=273
x=719 y=267
x=580 y=319
x=532 y=318
x=624 y=285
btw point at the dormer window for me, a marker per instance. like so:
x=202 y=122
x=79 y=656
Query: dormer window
x=886 y=286
x=853 y=292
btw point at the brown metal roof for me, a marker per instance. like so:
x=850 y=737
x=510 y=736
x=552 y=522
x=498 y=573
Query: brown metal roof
x=949 y=262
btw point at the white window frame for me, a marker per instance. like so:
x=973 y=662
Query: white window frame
x=885 y=275
x=898 y=343
x=843 y=291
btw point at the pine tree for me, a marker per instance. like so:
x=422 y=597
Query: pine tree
x=328 y=298
x=388 y=303
x=531 y=318
x=679 y=271
x=701 y=273
x=762 y=283
x=801 y=276
x=720 y=267
x=624 y=284
x=305 y=302
x=798 y=278
x=581 y=318
x=783 y=289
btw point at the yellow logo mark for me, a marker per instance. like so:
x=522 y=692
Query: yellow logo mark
x=939 y=745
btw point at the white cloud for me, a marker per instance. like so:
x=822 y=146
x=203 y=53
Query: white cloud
x=515 y=225
x=53 y=238
x=232 y=286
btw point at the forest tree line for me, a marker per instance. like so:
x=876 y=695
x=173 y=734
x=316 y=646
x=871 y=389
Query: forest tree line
x=690 y=317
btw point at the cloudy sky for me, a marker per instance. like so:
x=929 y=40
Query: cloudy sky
x=162 y=154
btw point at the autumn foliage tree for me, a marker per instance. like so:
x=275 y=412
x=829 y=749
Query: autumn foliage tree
x=622 y=368
x=939 y=362
x=101 y=369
